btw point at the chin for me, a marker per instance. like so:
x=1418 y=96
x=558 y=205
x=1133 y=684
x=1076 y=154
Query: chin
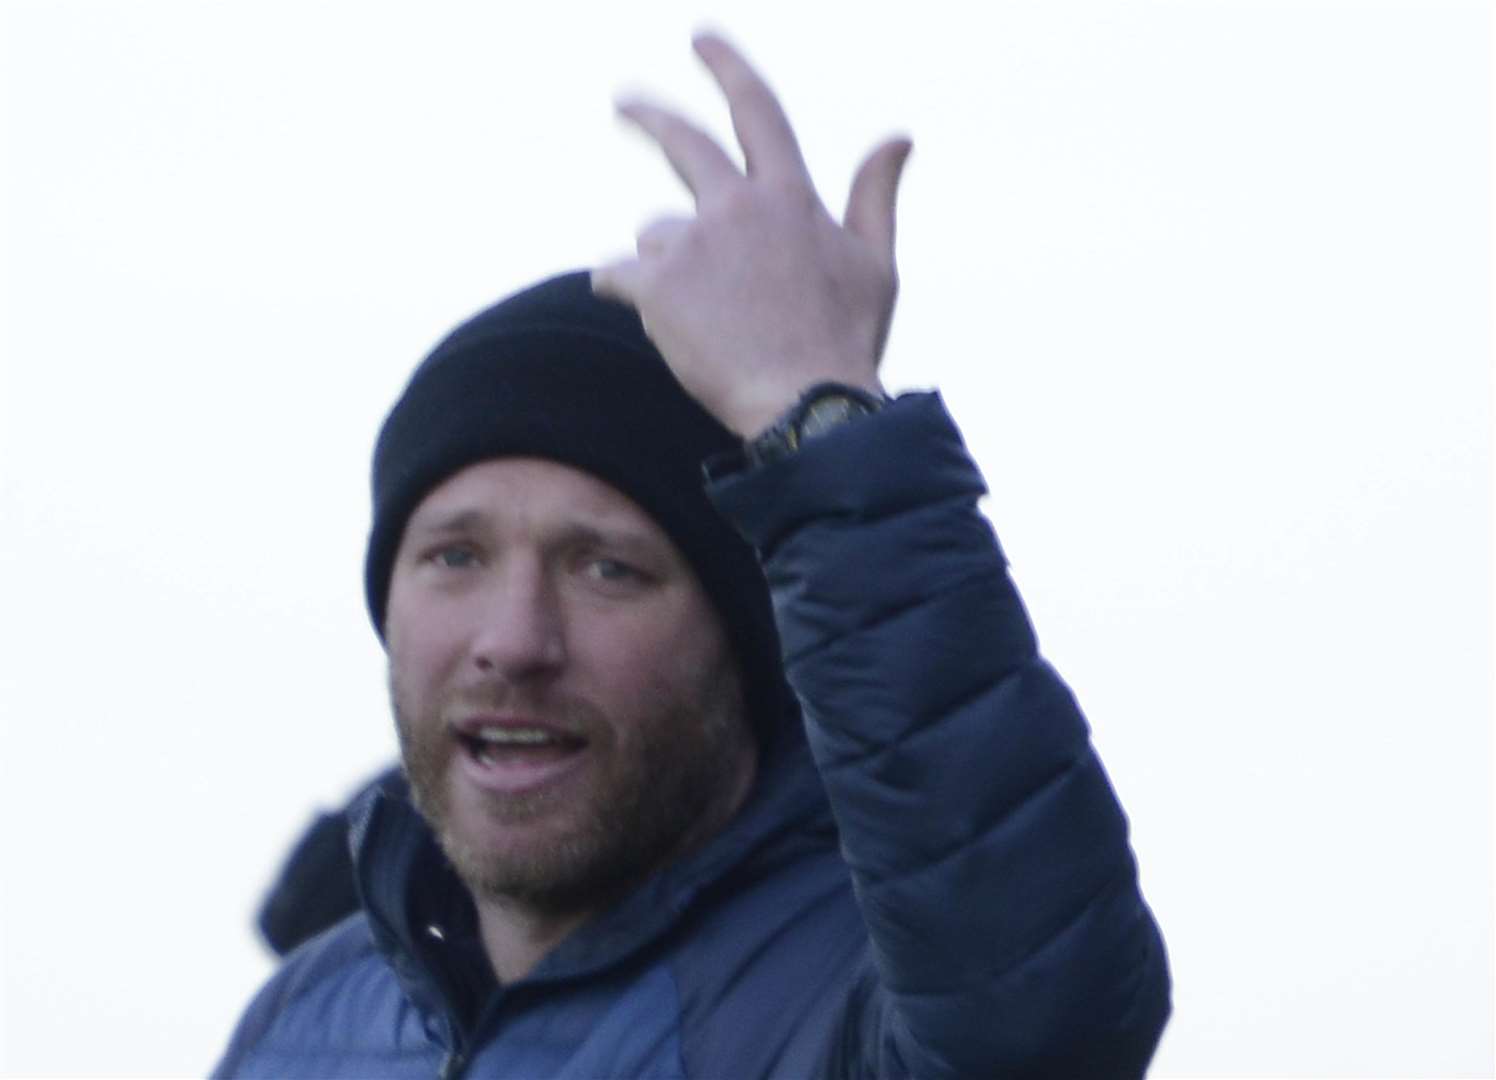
x=556 y=863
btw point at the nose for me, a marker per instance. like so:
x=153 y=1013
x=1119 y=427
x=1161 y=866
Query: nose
x=520 y=633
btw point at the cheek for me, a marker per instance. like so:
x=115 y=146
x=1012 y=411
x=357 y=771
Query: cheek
x=645 y=646
x=667 y=660
x=423 y=651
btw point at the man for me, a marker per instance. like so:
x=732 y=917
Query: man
x=660 y=828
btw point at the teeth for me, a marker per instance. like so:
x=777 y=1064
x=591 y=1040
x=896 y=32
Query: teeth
x=515 y=736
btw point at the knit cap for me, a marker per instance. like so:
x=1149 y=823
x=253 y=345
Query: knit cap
x=557 y=372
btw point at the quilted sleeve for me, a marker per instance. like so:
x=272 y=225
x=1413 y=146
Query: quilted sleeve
x=988 y=851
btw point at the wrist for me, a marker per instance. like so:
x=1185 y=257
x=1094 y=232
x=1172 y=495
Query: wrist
x=751 y=419
x=819 y=410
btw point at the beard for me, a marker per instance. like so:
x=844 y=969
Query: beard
x=661 y=782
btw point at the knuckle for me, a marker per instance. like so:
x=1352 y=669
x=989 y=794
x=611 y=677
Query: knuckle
x=791 y=190
x=730 y=203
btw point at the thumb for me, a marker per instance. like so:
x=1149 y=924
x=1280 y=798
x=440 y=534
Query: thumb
x=870 y=206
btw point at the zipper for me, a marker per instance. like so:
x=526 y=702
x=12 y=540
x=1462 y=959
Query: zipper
x=455 y=1062
x=461 y=1042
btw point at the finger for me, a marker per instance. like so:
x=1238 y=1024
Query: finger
x=694 y=155
x=618 y=280
x=660 y=234
x=874 y=196
x=764 y=132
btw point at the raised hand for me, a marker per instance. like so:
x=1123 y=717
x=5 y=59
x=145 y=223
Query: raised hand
x=762 y=293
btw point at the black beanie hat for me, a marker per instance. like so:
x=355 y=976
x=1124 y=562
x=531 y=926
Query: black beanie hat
x=557 y=372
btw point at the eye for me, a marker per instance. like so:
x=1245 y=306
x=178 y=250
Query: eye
x=453 y=557
x=613 y=571
x=613 y=576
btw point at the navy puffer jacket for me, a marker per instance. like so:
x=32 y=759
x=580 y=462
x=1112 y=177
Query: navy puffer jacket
x=936 y=883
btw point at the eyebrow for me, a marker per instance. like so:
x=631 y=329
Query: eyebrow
x=629 y=539
x=455 y=522
x=570 y=532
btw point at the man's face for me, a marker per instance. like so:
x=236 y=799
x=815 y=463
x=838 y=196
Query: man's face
x=569 y=710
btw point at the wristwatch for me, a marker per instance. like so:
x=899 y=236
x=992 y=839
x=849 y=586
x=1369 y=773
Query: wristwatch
x=822 y=408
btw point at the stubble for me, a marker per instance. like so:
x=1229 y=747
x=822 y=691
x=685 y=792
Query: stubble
x=671 y=782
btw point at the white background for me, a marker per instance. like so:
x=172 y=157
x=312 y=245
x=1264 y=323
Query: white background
x=1207 y=285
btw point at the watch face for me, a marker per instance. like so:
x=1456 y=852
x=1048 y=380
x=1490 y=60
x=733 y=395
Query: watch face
x=826 y=413
x=823 y=407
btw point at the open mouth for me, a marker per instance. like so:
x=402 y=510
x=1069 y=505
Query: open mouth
x=495 y=745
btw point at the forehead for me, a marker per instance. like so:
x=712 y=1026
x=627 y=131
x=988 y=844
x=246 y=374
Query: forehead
x=533 y=491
